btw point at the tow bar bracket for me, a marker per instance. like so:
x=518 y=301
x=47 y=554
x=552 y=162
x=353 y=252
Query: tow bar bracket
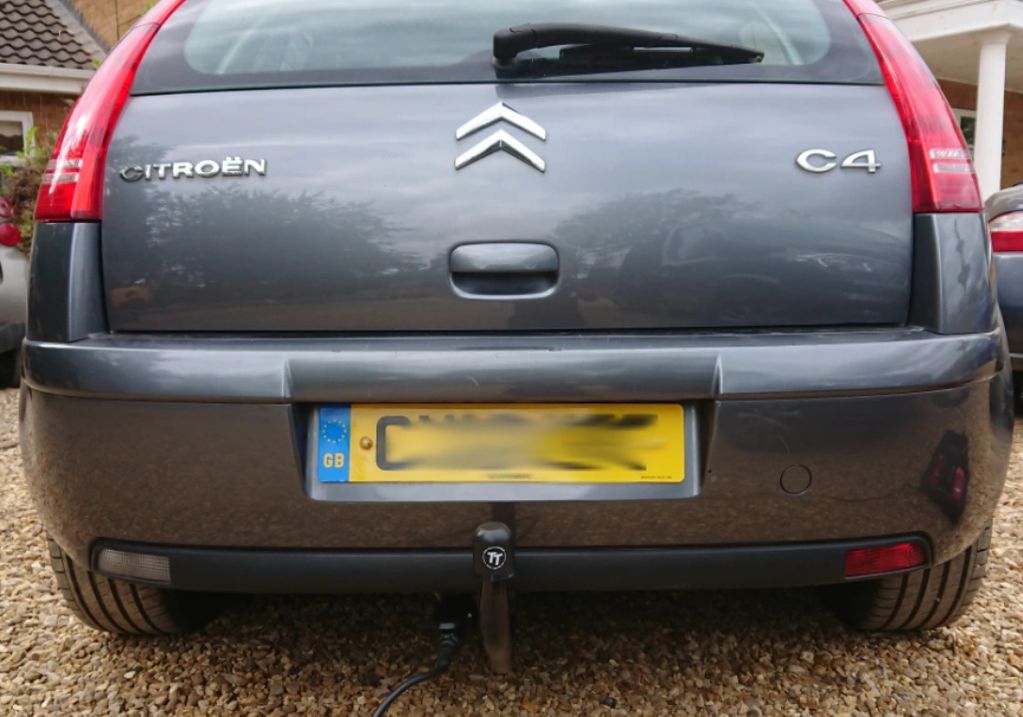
x=493 y=557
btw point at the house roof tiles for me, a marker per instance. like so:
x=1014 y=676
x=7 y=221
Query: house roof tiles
x=44 y=33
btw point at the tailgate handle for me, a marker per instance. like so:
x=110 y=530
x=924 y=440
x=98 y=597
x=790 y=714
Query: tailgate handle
x=504 y=269
x=504 y=258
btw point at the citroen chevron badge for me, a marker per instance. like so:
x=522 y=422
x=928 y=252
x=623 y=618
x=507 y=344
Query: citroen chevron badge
x=500 y=141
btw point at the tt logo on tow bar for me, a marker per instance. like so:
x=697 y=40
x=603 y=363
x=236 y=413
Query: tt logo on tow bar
x=495 y=557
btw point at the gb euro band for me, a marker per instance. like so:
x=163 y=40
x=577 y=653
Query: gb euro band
x=203 y=169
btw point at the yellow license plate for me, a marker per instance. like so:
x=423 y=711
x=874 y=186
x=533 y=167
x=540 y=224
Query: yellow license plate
x=514 y=443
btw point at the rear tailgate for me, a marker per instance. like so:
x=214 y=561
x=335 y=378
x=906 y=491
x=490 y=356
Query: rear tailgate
x=672 y=204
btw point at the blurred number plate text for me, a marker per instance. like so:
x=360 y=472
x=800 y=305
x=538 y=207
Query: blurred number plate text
x=515 y=443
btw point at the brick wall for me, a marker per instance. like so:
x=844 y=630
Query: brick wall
x=110 y=18
x=964 y=97
x=48 y=111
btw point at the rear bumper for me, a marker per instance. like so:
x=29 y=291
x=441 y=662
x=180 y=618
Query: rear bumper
x=231 y=475
x=717 y=568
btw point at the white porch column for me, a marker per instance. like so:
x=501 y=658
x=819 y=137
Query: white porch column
x=990 y=111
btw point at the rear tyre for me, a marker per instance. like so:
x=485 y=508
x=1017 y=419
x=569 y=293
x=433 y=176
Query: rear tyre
x=124 y=608
x=10 y=369
x=921 y=600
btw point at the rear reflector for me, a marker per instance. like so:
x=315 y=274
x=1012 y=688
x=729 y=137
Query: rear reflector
x=134 y=566
x=72 y=188
x=1007 y=232
x=943 y=175
x=884 y=559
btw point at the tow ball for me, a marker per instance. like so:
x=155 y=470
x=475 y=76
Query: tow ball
x=493 y=558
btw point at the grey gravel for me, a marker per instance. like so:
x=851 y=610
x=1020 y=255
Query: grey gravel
x=748 y=653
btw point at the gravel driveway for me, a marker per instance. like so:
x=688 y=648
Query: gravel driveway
x=748 y=653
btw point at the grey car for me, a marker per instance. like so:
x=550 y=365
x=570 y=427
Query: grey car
x=1005 y=214
x=363 y=295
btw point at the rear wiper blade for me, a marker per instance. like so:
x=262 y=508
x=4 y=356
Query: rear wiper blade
x=510 y=42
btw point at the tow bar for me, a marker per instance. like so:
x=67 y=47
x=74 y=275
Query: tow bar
x=493 y=559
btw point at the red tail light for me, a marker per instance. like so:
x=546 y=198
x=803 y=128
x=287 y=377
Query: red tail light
x=72 y=188
x=1007 y=232
x=943 y=176
x=884 y=559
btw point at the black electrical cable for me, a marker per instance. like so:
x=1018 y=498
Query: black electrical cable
x=453 y=615
x=440 y=667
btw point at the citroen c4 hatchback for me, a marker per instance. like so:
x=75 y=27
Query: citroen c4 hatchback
x=380 y=295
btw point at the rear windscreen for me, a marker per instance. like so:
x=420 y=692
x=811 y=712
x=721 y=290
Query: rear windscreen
x=227 y=44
